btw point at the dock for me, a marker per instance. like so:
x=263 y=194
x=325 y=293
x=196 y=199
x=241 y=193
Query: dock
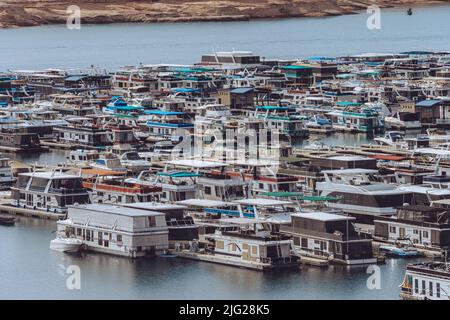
x=21 y=150
x=16 y=211
x=231 y=261
x=313 y=261
x=64 y=146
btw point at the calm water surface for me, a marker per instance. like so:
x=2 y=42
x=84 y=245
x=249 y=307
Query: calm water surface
x=115 y=45
x=29 y=270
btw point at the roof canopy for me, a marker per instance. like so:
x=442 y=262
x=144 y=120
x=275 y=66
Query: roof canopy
x=262 y=202
x=100 y=172
x=204 y=203
x=350 y=171
x=197 y=163
x=322 y=216
x=438 y=152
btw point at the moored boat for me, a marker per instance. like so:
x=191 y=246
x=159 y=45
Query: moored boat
x=66 y=244
x=400 y=251
x=7 y=220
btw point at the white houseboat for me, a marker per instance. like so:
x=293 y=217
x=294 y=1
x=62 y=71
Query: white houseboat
x=50 y=191
x=115 y=230
x=252 y=245
x=426 y=281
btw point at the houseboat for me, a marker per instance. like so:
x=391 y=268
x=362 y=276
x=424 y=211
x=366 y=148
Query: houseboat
x=109 y=162
x=281 y=118
x=214 y=182
x=361 y=194
x=426 y=281
x=319 y=124
x=403 y=121
x=51 y=191
x=169 y=125
x=330 y=237
x=254 y=245
x=113 y=230
x=14 y=140
x=425 y=227
x=207 y=214
x=112 y=187
x=6 y=176
x=358 y=120
x=85 y=135
x=82 y=157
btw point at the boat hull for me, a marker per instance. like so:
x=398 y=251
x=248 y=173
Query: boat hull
x=65 y=245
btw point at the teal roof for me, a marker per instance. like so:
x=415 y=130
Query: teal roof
x=163 y=112
x=272 y=108
x=129 y=108
x=293 y=67
x=347 y=104
x=178 y=174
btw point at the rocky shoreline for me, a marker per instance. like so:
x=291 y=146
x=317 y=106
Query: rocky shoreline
x=21 y=13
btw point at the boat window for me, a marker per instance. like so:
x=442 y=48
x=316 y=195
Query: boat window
x=438 y=290
x=304 y=242
x=67 y=184
x=272 y=251
x=38 y=183
x=133 y=156
x=423 y=287
x=430 y=289
x=219 y=245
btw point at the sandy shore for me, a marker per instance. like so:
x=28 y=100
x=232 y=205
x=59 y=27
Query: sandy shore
x=20 y=13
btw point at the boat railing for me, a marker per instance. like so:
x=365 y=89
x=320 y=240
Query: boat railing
x=279 y=260
x=442 y=121
x=66 y=191
x=180 y=222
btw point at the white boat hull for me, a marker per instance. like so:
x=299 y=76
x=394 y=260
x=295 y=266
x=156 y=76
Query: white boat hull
x=66 y=245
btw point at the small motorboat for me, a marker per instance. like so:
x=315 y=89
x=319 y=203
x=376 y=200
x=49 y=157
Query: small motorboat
x=6 y=220
x=66 y=244
x=401 y=252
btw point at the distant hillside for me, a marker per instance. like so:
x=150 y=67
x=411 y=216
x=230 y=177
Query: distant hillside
x=17 y=13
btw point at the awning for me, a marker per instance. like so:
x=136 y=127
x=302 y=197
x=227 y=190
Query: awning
x=100 y=172
x=388 y=157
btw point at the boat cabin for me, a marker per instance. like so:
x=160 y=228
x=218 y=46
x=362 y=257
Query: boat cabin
x=116 y=230
x=330 y=237
x=51 y=191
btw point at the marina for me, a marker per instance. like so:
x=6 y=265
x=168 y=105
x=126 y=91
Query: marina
x=248 y=173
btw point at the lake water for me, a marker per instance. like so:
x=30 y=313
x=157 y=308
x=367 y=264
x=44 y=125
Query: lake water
x=115 y=45
x=30 y=270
